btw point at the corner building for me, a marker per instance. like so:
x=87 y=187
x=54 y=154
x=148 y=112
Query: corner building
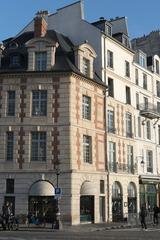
x=51 y=115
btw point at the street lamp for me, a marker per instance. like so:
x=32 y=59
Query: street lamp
x=58 y=223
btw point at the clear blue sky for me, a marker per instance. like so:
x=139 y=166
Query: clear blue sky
x=143 y=15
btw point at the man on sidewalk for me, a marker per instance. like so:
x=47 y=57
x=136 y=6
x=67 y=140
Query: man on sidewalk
x=143 y=214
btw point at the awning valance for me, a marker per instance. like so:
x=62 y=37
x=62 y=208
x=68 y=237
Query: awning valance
x=88 y=188
x=42 y=188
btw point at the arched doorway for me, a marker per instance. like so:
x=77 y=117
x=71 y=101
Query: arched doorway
x=132 y=198
x=87 y=193
x=117 y=199
x=42 y=203
x=151 y=196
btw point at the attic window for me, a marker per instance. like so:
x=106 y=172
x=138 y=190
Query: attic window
x=86 y=67
x=40 y=61
x=13 y=45
x=14 y=61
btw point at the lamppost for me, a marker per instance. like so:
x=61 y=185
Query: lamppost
x=58 y=223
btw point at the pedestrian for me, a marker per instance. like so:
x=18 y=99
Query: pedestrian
x=6 y=213
x=155 y=215
x=143 y=214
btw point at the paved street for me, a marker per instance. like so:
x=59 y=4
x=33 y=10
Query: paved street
x=120 y=234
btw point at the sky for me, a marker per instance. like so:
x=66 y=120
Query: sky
x=143 y=15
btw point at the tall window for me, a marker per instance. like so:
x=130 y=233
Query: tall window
x=86 y=107
x=128 y=95
x=127 y=69
x=158 y=134
x=145 y=102
x=10 y=146
x=86 y=67
x=142 y=60
x=137 y=100
x=128 y=125
x=157 y=66
x=111 y=127
x=11 y=103
x=87 y=149
x=10 y=185
x=136 y=76
x=102 y=187
x=109 y=59
x=110 y=87
x=41 y=61
x=130 y=158
x=145 y=81
x=158 y=88
x=149 y=158
x=148 y=128
x=139 y=126
x=158 y=107
x=38 y=146
x=112 y=157
x=39 y=103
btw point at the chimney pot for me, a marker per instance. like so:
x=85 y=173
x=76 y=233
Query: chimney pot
x=40 y=24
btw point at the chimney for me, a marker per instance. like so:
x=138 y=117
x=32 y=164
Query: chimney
x=40 y=24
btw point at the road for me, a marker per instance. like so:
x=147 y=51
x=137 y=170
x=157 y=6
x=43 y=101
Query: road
x=117 y=234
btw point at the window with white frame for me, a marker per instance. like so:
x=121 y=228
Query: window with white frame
x=139 y=126
x=86 y=107
x=145 y=81
x=87 y=149
x=11 y=103
x=39 y=103
x=130 y=158
x=109 y=59
x=112 y=157
x=158 y=88
x=142 y=60
x=158 y=107
x=128 y=95
x=137 y=101
x=136 y=76
x=111 y=127
x=157 y=66
x=40 y=61
x=129 y=125
x=10 y=146
x=145 y=103
x=127 y=69
x=149 y=158
x=38 y=146
x=86 y=67
x=110 y=87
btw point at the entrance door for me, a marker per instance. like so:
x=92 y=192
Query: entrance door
x=117 y=210
x=42 y=207
x=102 y=209
x=87 y=209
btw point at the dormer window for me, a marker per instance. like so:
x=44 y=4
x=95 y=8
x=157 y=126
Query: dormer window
x=157 y=66
x=142 y=60
x=86 y=67
x=14 y=61
x=41 y=61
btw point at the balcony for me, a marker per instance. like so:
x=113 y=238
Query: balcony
x=149 y=111
x=123 y=168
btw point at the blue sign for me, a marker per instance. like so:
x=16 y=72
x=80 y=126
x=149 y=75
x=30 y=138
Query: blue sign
x=58 y=191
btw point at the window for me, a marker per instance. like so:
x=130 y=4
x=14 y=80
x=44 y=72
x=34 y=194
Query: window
x=128 y=95
x=158 y=88
x=10 y=185
x=136 y=76
x=108 y=30
x=144 y=81
x=102 y=187
x=128 y=125
x=157 y=66
x=109 y=59
x=111 y=128
x=110 y=87
x=158 y=134
x=145 y=103
x=41 y=61
x=142 y=60
x=149 y=158
x=112 y=157
x=158 y=107
x=125 y=41
x=139 y=126
x=11 y=103
x=86 y=107
x=14 y=61
x=137 y=101
x=38 y=146
x=10 y=146
x=86 y=67
x=39 y=103
x=87 y=149
x=127 y=69
x=148 y=129
x=130 y=158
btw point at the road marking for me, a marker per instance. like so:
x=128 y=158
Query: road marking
x=138 y=230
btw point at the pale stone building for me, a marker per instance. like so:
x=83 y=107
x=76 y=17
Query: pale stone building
x=52 y=129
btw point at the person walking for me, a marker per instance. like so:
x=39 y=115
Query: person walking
x=155 y=215
x=6 y=213
x=143 y=215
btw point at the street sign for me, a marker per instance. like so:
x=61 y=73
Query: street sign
x=58 y=191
